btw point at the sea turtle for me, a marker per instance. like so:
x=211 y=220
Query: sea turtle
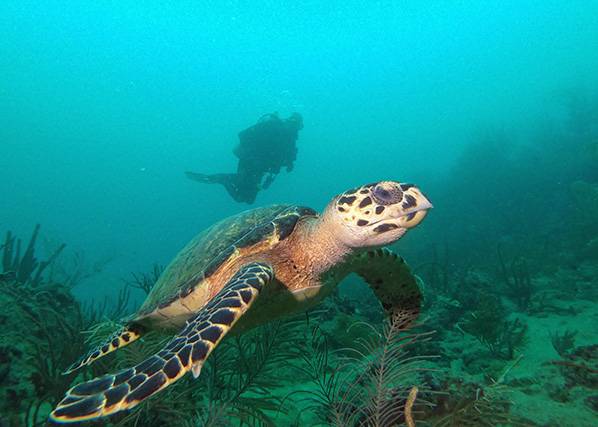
x=249 y=269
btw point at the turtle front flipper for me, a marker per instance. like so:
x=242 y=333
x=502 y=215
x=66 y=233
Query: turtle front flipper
x=392 y=282
x=122 y=337
x=187 y=351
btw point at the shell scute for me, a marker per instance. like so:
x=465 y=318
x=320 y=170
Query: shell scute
x=255 y=236
x=213 y=247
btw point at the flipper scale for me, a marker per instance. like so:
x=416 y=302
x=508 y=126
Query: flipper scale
x=392 y=282
x=187 y=351
x=122 y=337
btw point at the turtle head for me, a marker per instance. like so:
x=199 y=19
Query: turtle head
x=377 y=214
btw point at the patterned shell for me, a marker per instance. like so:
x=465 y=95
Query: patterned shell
x=210 y=248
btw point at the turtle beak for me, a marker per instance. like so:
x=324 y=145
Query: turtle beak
x=414 y=207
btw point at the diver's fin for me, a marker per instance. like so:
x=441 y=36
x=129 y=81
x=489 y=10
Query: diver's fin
x=186 y=352
x=215 y=178
x=122 y=337
x=199 y=177
x=392 y=282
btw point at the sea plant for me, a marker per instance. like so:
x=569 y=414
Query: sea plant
x=368 y=385
x=236 y=382
x=580 y=367
x=469 y=404
x=584 y=196
x=437 y=272
x=490 y=326
x=482 y=406
x=43 y=327
x=75 y=268
x=109 y=311
x=55 y=341
x=242 y=389
x=563 y=343
x=146 y=281
x=517 y=281
x=25 y=268
x=43 y=322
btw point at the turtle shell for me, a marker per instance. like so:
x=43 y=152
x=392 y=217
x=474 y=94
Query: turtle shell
x=213 y=246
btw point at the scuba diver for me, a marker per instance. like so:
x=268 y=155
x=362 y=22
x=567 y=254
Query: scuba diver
x=263 y=150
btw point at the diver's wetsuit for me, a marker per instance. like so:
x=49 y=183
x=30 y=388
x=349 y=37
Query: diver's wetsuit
x=263 y=149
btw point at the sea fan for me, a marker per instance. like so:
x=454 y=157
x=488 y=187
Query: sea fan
x=369 y=385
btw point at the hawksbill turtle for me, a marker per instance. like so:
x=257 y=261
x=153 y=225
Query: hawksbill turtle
x=249 y=269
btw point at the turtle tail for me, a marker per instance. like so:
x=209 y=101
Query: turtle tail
x=122 y=337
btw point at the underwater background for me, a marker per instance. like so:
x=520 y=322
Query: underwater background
x=491 y=108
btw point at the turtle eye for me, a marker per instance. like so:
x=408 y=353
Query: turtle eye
x=385 y=194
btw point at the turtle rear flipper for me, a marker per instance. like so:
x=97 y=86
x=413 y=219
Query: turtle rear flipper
x=186 y=352
x=392 y=282
x=122 y=337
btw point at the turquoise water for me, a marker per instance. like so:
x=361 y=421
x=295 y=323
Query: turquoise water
x=490 y=107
